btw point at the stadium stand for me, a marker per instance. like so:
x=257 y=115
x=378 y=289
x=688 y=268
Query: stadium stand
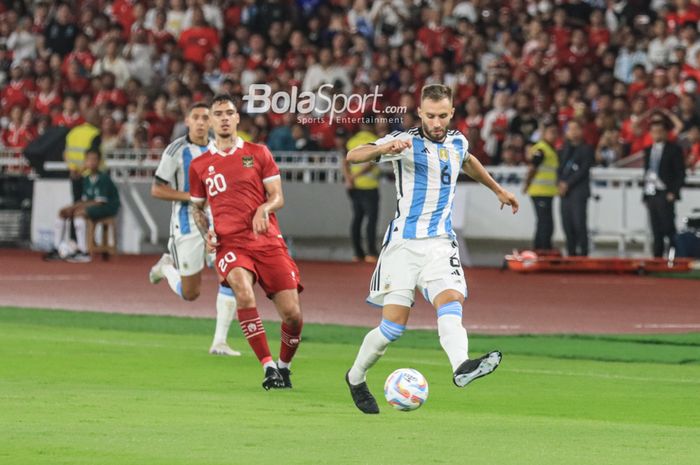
x=511 y=63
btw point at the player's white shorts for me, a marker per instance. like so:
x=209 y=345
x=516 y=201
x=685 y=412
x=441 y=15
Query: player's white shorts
x=430 y=265
x=188 y=252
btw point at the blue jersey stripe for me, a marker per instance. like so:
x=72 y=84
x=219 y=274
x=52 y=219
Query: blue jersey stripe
x=184 y=206
x=420 y=186
x=444 y=193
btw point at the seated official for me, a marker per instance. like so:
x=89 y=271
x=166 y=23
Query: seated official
x=100 y=200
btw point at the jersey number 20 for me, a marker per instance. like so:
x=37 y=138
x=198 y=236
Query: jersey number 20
x=216 y=184
x=230 y=257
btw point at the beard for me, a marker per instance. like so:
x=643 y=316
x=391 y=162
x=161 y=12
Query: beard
x=432 y=136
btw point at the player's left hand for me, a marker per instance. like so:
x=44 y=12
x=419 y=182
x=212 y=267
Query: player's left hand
x=508 y=198
x=261 y=221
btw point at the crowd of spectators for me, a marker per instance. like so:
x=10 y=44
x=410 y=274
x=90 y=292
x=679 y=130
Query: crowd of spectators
x=611 y=64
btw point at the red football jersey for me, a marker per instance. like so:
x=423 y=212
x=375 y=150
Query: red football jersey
x=233 y=184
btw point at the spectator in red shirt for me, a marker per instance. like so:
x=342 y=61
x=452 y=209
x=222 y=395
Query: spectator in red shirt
x=474 y=118
x=639 y=81
x=70 y=116
x=199 y=40
x=19 y=132
x=19 y=90
x=48 y=98
x=123 y=13
x=598 y=33
x=160 y=123
x=684 y=13
x=658 y=95
x=158 y=33
x=75 y=81
x=559 y=30
x=81 y=53
x=109 y=93
x=433 y=37
x=577 y=56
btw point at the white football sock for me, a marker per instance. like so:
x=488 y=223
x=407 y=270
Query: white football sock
x=173 y=277
x=61 y=230
x=225 y=309
x=372 y=348
x=281 y=364
x=453 y=339
x=80 y=233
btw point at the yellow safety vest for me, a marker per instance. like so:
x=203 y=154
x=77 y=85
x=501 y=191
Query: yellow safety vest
x=370 y=179
x=78 y=141
x=544 y=184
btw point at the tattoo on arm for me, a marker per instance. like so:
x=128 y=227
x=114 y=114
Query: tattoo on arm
x=200 y=219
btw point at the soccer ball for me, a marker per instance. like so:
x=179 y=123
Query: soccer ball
x=406 y=389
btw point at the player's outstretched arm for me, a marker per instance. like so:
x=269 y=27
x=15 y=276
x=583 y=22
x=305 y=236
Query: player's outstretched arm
x=162 y=190
x=477 y=172
x=369 y=152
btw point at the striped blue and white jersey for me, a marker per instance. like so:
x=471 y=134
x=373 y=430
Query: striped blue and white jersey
x=174 y=169
x=426 y=178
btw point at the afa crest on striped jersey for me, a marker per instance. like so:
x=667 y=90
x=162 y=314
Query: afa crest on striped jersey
x=426 y=177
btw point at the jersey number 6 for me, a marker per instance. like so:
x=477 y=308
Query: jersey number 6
x=216 y=184
x=230 y=257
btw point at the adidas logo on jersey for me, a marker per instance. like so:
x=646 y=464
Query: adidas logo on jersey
x=456 y=272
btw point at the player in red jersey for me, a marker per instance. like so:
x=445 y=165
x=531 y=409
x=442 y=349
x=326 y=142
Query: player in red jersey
x=241 y=183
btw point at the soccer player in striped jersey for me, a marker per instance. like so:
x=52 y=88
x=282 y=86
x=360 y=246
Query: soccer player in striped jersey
x=183 y=266
x=419 y=249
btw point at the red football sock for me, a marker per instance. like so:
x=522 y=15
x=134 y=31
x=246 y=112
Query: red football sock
x=290 y=337
x=253 y=330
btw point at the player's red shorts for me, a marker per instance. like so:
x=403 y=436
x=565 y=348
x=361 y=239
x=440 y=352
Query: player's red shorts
x=273 y=268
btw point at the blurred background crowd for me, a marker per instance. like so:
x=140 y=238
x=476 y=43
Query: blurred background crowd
x=132 y=68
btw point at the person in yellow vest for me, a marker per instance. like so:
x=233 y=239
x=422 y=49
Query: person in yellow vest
x=541 y=183
x=362 y=183
x=79 y=141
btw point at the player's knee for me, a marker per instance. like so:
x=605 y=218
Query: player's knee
x=245 y=297
x=391 y=330
x=190 y=294
x=291 y=316
x=448 y=296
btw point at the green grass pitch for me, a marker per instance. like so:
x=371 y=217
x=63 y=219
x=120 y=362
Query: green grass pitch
x=89 y=388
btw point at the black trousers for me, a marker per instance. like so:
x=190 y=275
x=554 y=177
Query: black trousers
x=365 y=203
x=545 y=222
x=77 y=188
x=574 y=218
x=662 y=214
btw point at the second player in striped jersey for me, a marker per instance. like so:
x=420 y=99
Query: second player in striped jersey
x=183 y=266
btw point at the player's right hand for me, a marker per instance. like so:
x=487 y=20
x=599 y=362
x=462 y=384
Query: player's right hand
x=212 y=241
x=396 y=146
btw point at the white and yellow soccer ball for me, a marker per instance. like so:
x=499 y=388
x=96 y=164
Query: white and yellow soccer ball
x=406 y=389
